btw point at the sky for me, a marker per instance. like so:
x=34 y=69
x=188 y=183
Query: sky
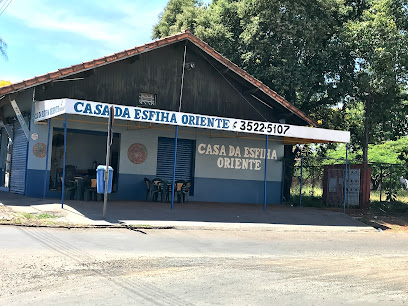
x=45 y=35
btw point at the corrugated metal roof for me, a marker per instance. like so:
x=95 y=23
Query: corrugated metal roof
x=64 y=72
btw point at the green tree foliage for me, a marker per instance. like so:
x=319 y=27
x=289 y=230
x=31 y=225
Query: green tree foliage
x=178 y=15
x=378 y=43
x=385 y=158
x=290 y=45
x=344 y=62
x=316 y=53
x=389 y=152
x=349 y=117
x=220 y=26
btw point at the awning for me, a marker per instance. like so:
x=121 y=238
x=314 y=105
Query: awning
x=52 y=108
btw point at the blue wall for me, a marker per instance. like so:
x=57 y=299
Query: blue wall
x=235 y=191
x=35 y=183
x=133 y=187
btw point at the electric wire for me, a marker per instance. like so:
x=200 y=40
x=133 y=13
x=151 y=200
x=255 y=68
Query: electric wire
x=2 y=3
x=4 y=6
x=232 y=85
x=182 y=76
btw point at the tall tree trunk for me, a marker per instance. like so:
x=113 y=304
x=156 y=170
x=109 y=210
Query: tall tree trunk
x=290 y=153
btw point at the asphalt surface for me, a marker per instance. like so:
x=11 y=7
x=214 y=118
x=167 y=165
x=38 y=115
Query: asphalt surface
x=41 y=266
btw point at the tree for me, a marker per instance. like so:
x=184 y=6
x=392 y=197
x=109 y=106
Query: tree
x=290 y=45
x=378 y=43
x=343 y=61
x=220 y=26
x=178 y=15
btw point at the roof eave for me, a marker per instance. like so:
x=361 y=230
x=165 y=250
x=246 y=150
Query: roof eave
x=265 y=89
x=89 y=65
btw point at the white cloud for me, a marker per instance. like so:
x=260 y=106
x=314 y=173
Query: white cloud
x=130 y=22
x=44 y=35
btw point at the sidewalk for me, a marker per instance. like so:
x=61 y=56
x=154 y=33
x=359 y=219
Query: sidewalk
x=184 y=216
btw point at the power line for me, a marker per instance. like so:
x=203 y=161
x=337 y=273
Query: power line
x=4 y=6
x=182 y=76
x=232 y=85
x=3 y=3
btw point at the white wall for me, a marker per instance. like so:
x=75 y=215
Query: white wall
x=87 y=148
x=205 y=164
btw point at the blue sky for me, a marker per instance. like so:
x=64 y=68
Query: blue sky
x=45 y=35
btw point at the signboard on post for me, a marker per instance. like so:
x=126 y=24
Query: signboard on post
x=20 y=118
x=43 y=110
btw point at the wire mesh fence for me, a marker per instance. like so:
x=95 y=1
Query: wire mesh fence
x=307 y=180
x=321 y=182
x=389 y=183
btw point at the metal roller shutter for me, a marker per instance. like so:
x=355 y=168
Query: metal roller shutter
x=18 y=160
x=184 y=162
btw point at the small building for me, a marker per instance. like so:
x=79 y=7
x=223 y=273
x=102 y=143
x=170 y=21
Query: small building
x=229 y=125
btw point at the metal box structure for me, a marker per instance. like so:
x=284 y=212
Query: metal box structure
x=357 y=187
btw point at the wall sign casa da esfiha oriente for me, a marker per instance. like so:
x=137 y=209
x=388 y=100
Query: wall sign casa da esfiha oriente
x=237 y=157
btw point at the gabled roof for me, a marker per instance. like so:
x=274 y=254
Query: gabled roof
x=61 y=73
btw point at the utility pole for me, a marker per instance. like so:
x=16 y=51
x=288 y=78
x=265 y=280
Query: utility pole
x=108 y=145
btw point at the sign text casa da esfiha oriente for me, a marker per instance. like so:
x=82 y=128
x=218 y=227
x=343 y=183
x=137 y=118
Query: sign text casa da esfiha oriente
x=236 y=157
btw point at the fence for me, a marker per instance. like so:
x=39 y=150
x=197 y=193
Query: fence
x=320 y=182
x=389 y=183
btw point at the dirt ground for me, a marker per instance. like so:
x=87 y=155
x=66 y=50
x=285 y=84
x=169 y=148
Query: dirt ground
x=386 y=222
x=6 y=214
x=181 y=267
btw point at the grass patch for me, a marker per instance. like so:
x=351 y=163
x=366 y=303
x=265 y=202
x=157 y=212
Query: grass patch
x=311 y=196
x=307 y=201
x=399 y=207
x=46 y=216
x=29 y=216
x=145 y=226
x=51 y=222
x=18 y=221
x=307 y=190
x=394 y=207
x=401 y=195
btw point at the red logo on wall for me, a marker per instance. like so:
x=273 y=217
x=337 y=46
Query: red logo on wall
x=40 y=149
x=137 y=153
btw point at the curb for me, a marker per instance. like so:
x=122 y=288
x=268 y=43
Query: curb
x=268 y=228
x=87 y=226
x=326 y=229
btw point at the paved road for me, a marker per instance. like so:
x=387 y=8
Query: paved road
x=201 y=267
